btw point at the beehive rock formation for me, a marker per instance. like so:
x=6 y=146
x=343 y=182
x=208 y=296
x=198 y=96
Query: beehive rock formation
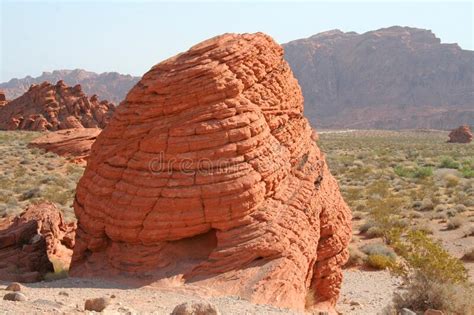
x=462 y=134
x=31 y=242
x=209 y=174
x=54 y=107
x=74 y=143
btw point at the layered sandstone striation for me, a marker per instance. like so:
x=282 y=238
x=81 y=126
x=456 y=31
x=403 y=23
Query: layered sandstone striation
x=74 y=143
x=32 y=242
x=54 y=107
x=462 y=134
x=209 y=174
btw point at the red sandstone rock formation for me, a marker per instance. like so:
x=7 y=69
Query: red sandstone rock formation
x=75 y=143
x=54 y=107
x=462 y=134
x=31 y=242
x=209 y=174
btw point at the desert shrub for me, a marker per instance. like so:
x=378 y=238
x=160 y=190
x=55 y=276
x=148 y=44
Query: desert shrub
x=422 y=293
x=448 y=162
x=423 y=255
x=454 y=223
x=426 y=205
x=379 y=262
x=425 y=228
x=467 y=172
x=440 y=208
x=374 y=232
x=422 y=172
x=366 y=226
x=460 y=208
x=378 y=249
x=469 y=232
x=417 y=172
x=451 y=180
x=401 y=171
x=469 y=255
x=356 y=257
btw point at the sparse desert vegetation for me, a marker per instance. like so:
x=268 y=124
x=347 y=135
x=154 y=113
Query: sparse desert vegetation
x=413 y=192
x=411 y=195
x=29 y=175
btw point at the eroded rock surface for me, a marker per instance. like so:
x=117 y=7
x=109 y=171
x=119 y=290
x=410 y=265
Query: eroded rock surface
x=54 y=107
x=3 y=99
x=209 y=174
x=30 y=243
x=462 y=134
x=75 y=143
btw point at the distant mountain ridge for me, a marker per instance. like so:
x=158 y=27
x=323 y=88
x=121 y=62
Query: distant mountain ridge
x=392 y=78
x=112 y=86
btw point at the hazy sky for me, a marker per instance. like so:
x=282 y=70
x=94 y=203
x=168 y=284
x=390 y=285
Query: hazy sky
x=131 y=36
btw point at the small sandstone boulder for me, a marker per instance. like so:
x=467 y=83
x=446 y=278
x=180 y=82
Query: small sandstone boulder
x=15 y=296
x=98 y=304
x=74 y=143
x=30 y=242
x=195 y=308
x=462 y=134
x=433 y=312
x=14 y=286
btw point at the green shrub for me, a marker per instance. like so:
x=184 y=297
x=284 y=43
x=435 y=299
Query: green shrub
x=379 y=262
x=423 y=172
x=427 y=257
x=467 y=172
x=448 y=162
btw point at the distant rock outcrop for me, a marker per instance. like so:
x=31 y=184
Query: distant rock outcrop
x=3 y=99
x=392 y=78
x=55 y=107
x=111 y=86
x=75 y=143
x=31 y=242
x=209 y=174
x=462 y=134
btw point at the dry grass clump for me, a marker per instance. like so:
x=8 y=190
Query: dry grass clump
x=356 y=257
x=455 y=223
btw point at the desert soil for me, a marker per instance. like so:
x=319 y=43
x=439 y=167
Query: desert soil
x=362 y=293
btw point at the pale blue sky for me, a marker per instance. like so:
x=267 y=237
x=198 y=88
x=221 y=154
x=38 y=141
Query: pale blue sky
x=131 y=36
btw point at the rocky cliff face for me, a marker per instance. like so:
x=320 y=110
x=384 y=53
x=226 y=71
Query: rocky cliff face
x=209 y=174
x=53 y=107
x=111 y=86
x=392 y=78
